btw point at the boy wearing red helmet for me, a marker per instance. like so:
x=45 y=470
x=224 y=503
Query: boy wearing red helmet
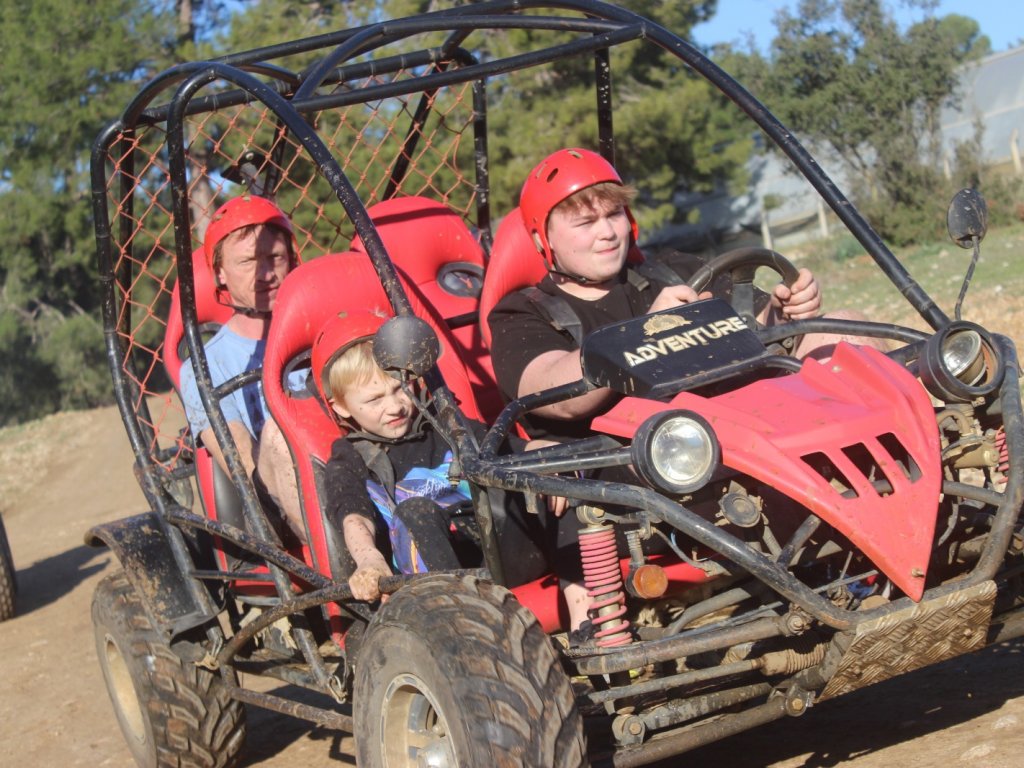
x=576 y=208
x=386 y=482
x=250 y=248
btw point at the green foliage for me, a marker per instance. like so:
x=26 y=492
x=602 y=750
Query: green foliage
x=1005 y=197
x=672 y=131
x=68 y=69
x=845 y=75
x=26 y=390
x=268 y=22
x=844 y=247
x=74 y=353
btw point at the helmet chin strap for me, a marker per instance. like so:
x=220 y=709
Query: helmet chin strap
x=250 y=311
x=579 y=279
x=247 y=311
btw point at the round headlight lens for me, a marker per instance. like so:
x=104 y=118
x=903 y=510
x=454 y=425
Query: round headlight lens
x=681 y=450
x=961 y=354
x=961 y=362
x=676 y=451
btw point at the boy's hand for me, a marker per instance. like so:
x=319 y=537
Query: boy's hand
x=363 y=582
x=675 y=296
x=800 y=301
x=557 y=505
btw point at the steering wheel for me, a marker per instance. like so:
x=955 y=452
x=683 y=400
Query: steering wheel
x=741 y=264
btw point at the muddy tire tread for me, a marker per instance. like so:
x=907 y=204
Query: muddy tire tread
x=8 y=582
x=195 y=723
x=507 y=668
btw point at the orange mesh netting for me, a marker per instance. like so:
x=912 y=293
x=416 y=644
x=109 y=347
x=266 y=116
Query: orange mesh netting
x=368 y=140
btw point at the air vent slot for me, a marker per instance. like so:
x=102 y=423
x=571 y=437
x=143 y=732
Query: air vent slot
x=831 y=474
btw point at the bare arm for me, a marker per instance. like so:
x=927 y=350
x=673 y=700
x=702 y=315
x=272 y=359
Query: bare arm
x=370 y=563
x=243 y=440
x=557 y=367
x=675 y=296
x=556 y=504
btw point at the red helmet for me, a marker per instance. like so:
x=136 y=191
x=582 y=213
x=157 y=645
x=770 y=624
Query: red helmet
x=241 y=212
x=558 y=176
x=338 y=334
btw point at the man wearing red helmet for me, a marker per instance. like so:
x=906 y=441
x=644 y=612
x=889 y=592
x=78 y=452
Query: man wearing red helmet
x=576 y=208
x=250 y=248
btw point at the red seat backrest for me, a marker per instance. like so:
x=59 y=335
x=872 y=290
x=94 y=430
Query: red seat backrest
x=436 y=251
x=208 y=311
x=311 y=294
x=515 y=263
x=432 y=247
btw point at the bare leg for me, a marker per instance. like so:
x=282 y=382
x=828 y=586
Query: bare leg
x=578 y=601
x=820 y=346
x=275 y=467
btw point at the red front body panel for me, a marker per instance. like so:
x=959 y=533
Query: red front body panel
x=782 y=431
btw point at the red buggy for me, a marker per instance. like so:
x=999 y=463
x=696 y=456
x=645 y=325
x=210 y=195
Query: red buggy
x=827 y=525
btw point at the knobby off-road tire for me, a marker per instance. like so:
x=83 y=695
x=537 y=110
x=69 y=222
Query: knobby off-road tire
x=171 y=713
x=454 y=673
x=8 y=584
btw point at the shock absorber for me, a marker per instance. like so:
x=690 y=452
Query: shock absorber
x=1003 y=465
x=602 y=577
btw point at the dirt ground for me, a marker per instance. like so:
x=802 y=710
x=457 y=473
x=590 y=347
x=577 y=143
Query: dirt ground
x=61 y=475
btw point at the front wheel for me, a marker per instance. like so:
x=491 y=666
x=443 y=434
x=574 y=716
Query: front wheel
x=454 y=673
x=8 y=584
x=170 y=712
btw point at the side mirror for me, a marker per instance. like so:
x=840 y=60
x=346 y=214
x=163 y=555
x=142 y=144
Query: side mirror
x=967 y=222
x=967 y=218
x=406 y=345
x=246 y=171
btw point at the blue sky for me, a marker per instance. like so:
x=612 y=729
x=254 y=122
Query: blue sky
x=1001 y=20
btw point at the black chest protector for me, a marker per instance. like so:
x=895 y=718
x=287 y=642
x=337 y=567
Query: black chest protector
x=561 y=315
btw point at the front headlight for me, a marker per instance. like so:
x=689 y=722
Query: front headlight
x=676 y=451
x=959 y=363
x=961 y=354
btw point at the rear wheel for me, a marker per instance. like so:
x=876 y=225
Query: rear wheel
x=454 y=673
x=8 y=585
x=170 y=712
